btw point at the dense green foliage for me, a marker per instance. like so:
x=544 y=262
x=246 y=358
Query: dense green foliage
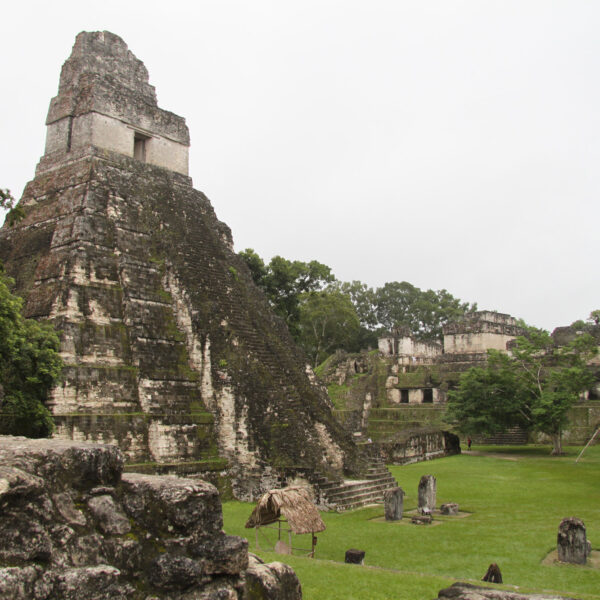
x=533 y=388
x=327 y=321
x=513 y=500
x=29 y=366
x=284 y=282
x=7 y=202
x=311 y=301
x=423 y=313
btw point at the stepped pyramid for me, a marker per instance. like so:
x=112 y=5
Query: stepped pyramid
x=170 y=350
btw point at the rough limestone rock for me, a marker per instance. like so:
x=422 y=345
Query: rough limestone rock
x=171 y=352
x=449 y=508
x=73 y=528
x=393 y=501
x=273 y=581
x=572 y=541
x=467 y=591
x=427 y=494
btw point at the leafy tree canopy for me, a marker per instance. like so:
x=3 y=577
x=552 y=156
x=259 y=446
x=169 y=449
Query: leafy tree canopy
x=7 y=202
x=288 y=284
x=328 y=322
x=422 y=312
x=29 y=359
x=534 y=387
x=284 y=281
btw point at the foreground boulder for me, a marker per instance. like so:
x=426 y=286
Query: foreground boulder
x=466 y=591
x=73 y=527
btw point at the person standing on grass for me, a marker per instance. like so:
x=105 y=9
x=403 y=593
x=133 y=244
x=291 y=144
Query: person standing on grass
x=469 y=443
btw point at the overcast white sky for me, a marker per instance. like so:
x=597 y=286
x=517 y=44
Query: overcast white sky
x=451 y=144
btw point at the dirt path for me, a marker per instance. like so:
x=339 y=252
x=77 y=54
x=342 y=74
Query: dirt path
x=493 y=455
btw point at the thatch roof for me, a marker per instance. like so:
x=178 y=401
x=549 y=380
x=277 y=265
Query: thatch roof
x=292 y=503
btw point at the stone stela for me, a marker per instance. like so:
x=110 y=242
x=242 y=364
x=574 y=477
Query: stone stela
x=427 y=494
x=572 y=544
x=393 y=503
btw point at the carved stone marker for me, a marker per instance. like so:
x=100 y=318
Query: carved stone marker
x=421 y=519
x=571 y=541
x=355 y=557
x=394 y=503
x=493 y=574
x=427 y=493
x=450 y=508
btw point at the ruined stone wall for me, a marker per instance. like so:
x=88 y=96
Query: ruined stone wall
x=474 y=343
x=409 y=348
x=410 y=447
x=480 y=331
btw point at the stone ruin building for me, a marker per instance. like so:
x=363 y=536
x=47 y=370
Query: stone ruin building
x=465 y=344
x=170 y=350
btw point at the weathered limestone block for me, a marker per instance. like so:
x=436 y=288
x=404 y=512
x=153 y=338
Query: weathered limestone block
x=101 y=582
x=15 y=481
x=572 y=542
x=421 y=519
x=394 y=503
x=427 y=493
x=450 y=508
x=82 y=533
x=61 y=463
x=467 y=591
x=18 y=584
x=224 y=554
x=186 y=506
x=170 y=572
x=273 y=581
x=67 y=510
x=23 y=539
x=109 y=517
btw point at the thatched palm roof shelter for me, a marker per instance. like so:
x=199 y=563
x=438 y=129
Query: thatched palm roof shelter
x=294 y=504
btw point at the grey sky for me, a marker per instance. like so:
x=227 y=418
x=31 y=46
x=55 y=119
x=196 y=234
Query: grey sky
x=450 y=144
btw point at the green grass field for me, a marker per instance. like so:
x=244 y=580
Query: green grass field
x=515 y=499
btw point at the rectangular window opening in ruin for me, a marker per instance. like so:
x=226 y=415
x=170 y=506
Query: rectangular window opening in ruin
x=139 y=146
x=404 y=396
x=428 y=395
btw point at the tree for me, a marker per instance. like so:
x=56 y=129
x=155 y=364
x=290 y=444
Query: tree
x=7 y=202
x=533 y=388
x=29 y=366
x=423 y=313
x=284 y=281
x=363 y=300
x=328 y=321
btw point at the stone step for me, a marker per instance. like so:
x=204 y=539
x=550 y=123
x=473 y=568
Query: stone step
x=359 y=501
x=514 y=436
x=350 y=493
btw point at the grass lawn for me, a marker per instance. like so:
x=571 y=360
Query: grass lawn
x=515 y=499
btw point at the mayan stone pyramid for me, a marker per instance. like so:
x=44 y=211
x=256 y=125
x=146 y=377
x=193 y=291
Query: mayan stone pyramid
x=170 y=350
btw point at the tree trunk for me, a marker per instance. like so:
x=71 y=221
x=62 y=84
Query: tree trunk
x=557 y=443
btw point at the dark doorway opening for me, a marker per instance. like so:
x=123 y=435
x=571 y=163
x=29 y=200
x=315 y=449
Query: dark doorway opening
x=139 y=146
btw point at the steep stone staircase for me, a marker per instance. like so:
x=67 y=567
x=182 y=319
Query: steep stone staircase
x=513 y=436
x=348 y=494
